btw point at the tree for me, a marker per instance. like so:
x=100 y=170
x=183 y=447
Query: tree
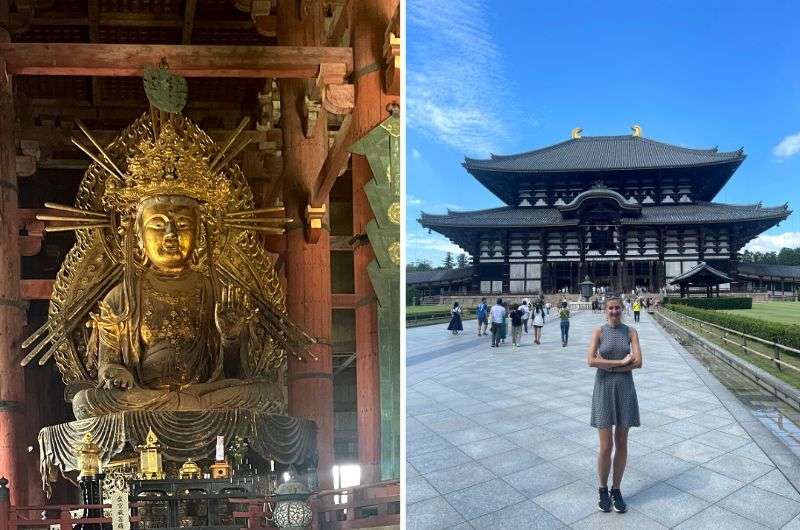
x=462 y=261
x=419 y=265
x=448 y=261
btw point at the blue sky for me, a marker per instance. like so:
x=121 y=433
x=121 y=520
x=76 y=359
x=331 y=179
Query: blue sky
x=510 y=76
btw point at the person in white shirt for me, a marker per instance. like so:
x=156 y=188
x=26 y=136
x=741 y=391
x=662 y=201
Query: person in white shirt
x=496 y=316
x=526 y=314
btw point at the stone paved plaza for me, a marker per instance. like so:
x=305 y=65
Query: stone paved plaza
x=500 y=439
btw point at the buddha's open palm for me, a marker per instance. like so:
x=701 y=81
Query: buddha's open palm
x=233 y=312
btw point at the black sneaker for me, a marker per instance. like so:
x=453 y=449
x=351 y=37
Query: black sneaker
x=604 y=504
x=619 y=503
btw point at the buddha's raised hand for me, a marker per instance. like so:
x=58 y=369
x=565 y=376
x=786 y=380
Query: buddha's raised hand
x=233 y=312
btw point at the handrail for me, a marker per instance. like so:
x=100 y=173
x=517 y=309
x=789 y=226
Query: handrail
x=776 y=357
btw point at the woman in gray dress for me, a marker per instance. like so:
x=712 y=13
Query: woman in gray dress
x=614 y=350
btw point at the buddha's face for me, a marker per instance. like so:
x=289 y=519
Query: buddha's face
x=168 y=231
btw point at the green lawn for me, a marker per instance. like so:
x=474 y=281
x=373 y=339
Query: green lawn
x=417 y=309
x=781 y=312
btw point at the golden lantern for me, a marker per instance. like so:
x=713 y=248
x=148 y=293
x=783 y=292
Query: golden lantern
x=189 y=470
x=89 y=462
x=150 y=464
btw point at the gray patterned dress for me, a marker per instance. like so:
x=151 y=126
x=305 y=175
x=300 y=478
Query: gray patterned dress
x=614 y=399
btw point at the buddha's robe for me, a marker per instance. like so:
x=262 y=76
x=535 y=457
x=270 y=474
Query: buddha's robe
x=168 y=342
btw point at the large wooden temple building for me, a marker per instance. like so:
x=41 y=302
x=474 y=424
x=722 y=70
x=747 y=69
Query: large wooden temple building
x=626 y=211
x=319 y=81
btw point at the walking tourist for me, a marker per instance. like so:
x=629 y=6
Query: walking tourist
x=563 y=314
x=547 y=307
x=496 y=316
x=483 y=316
x=637 y=308
x=614 y=350
x=538 y=323
x=455 y=320
x=504 y=325
x=627 y=307
x=526 y=314
x=516 y=324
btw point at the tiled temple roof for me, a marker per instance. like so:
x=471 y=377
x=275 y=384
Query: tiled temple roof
x=698 y=212
x=591 y=153
x=439 y=275
x=702 y=274
x=748 y=268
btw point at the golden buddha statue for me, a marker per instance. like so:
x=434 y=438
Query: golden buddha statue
x=185 y=309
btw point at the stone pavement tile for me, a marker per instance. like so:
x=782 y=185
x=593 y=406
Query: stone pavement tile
x=720 y=412
x=566 y=426
x=718 y=518
x=488 y=447
x=470 y=410
x=458 y=423
x=654 y=419
x=531 y=437
x=698 y=405
x=684 y=428
x=666 y=504
x=677 y=412
x=488 y=418
x=752 y=451
x=473 y=434
x=794 y=524
x=705 y=484
x=582 y=465
x=655 y=438
x=571 y=502
x=483 y=498
x=418 y=489
x=555 y=448
x=458 y=477
x=418 y=445
x=734 y=430
x=738 y=467
x=707 y=419
x=721 y=440
x=765 y=507
x=461 y=526
x=511 y=462
x=692 y=451
x=411 y=471
x=660 y=465
x=576 y=411
x=524 y=515
x=775 y=482
x=618 y=521
x=432 y=514
x=505 y=403
x=539 y=479
x=509 y=425
x=591 y=439
x=634 y=481
x=428 y=406
x=543 y=418
x=436 y=460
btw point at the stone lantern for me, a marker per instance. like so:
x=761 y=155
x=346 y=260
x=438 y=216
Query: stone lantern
x=586 y=289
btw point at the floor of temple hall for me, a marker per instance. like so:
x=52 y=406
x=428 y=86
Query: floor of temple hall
x=499 y=438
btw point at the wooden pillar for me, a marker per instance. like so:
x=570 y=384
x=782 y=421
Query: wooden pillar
x=308 y=267
x=12 y=309
x=369 y=20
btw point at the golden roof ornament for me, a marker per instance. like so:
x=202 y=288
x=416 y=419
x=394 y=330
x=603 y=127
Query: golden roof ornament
x=576 y=133
x=637 y=131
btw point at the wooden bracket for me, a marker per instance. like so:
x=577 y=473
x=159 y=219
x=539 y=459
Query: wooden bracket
x=322 y=93
x=391 y=56
x=313 y=224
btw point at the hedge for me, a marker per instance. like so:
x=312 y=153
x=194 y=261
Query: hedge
x=785 y=334
x=713 y=303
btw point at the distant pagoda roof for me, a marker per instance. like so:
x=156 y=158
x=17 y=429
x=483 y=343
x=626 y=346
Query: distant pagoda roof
x=532 y=217
x=702 y=274
x=599 y=153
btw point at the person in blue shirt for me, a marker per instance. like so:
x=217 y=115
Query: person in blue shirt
x=483 y=314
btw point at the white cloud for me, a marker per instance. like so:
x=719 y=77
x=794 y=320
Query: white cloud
x=415 y=154
x=411 y=200
x=773 y=243
x=787 y=147
x=456 y=86
x=431 y=247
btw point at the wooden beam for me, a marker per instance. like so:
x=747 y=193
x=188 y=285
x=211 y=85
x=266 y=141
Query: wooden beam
x=188 y=21
x=36 y=289
x=335 y=163
x=283 y=62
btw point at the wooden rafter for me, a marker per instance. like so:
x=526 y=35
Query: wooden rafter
x=188 y=21
x=335 y=163
x=299 y=62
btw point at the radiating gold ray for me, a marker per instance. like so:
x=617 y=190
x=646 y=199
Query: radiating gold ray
x=64 y=207
x=75 y=227
x=268 y=230
x=272 y=209
x=85 y=130
x=228 y=159
x=232 y=138
x=45 y=217
x=259 y=220
x=95 y=159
